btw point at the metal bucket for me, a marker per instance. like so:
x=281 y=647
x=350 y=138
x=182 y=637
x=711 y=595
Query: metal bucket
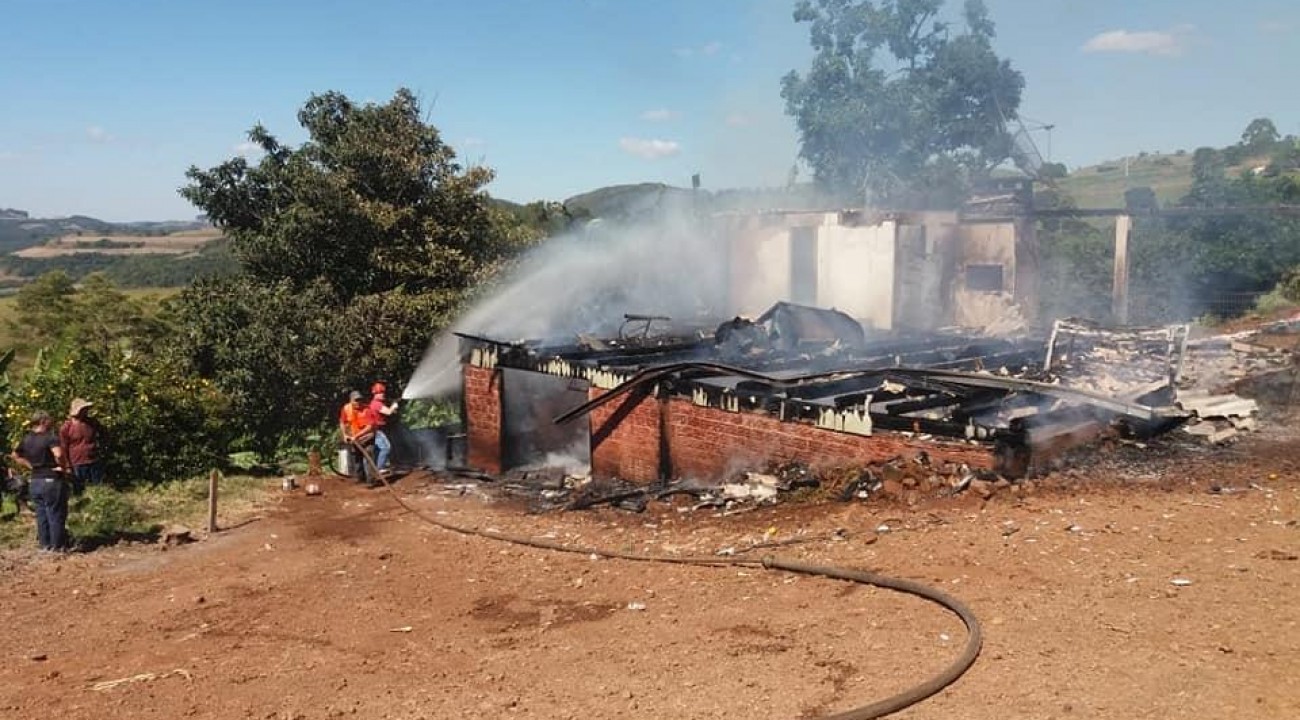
x=344 y=464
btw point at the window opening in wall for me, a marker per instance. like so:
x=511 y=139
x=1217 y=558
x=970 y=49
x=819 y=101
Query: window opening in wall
x=984 y=278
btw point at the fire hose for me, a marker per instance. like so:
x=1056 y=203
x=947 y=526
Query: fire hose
x=877 y=709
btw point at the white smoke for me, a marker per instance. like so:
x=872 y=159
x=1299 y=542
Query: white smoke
x=584 y=282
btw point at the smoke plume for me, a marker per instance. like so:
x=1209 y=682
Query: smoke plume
x=665 y=263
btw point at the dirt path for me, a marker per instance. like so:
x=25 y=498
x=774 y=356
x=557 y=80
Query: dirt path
x=346 y=606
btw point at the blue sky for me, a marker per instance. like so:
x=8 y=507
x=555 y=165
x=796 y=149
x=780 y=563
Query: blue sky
x=103 y=105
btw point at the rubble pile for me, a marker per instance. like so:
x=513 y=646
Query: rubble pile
x=1128 y=363
x=1259 y=362
x=1219 y=362
x=908 y=480
x=1200 y=377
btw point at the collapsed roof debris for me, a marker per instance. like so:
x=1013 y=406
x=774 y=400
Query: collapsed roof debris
x=1130 y=363
x=667 y=404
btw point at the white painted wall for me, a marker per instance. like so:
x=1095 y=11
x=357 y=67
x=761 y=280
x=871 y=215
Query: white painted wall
x=986 y=244
x=760 y=269
x=855 y=271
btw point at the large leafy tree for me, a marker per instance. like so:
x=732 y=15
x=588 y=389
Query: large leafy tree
x=901 y=107
x=1247 y=251
x=373 y=201
x=355 y=246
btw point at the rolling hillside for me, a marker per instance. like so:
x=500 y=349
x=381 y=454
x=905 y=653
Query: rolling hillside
x=1170 y=176
x=136 y=254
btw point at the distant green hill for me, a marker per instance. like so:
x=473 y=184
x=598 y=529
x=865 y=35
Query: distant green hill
x=1169 y=175
x=1096 y=186
x=630 y=201
x=18 y=230
x=626 y=200
x=1103 y=185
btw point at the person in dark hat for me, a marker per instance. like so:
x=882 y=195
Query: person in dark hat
x=357 y=430
x=39 y=452
x=80 y=437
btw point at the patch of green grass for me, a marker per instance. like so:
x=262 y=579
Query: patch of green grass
x=14 y=528
x=103 y=515
x=185 y=502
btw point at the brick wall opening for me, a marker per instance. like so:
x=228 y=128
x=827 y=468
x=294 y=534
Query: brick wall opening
x=529 y=403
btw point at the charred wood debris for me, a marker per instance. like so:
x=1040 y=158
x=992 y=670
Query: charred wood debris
x=1141 y=387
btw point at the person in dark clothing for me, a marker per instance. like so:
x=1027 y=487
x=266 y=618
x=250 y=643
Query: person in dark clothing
x=40 y=453
x=80 y=437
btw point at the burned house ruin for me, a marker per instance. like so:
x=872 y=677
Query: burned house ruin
x=915 y=361
x=796 y=384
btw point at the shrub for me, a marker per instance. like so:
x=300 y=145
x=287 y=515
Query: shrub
x=1289 y=286
x=418 y=414
x=1283 y=296
x=102 y=514
x=160 y=423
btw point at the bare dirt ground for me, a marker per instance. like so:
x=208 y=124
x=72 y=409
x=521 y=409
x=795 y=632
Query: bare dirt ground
x=347 y=606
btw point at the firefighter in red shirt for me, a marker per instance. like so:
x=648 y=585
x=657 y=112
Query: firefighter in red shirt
x=379 y=412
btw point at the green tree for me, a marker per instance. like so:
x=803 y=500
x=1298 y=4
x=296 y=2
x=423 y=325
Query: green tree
x=355 y=247
x=44 y=307
x=1249 y=251
x=898 y=106
x=1260 y=134
x=372 y=202
x=53 y=309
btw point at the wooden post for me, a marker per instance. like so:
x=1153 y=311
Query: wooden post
x=1119 y=286
x=212 y=502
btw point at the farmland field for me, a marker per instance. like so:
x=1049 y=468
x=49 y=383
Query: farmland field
x=172 y=244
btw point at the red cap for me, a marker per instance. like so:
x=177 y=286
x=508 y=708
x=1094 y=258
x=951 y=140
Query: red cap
x=376 y=388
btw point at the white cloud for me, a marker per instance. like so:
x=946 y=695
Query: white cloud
x=649 y=149
x=738 y=120
x=1274 y=27
x=713 y=47
x=660 y=115
x=98 y=134
x=247 y=149
x=1167 y=43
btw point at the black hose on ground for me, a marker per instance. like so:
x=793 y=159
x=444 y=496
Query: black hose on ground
x=877 y=709
x=913 y=695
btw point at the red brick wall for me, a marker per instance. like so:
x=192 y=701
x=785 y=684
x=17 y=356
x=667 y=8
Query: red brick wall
x=625 y=437
x=704 y=442
x=711 y=443
x=482 y=389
